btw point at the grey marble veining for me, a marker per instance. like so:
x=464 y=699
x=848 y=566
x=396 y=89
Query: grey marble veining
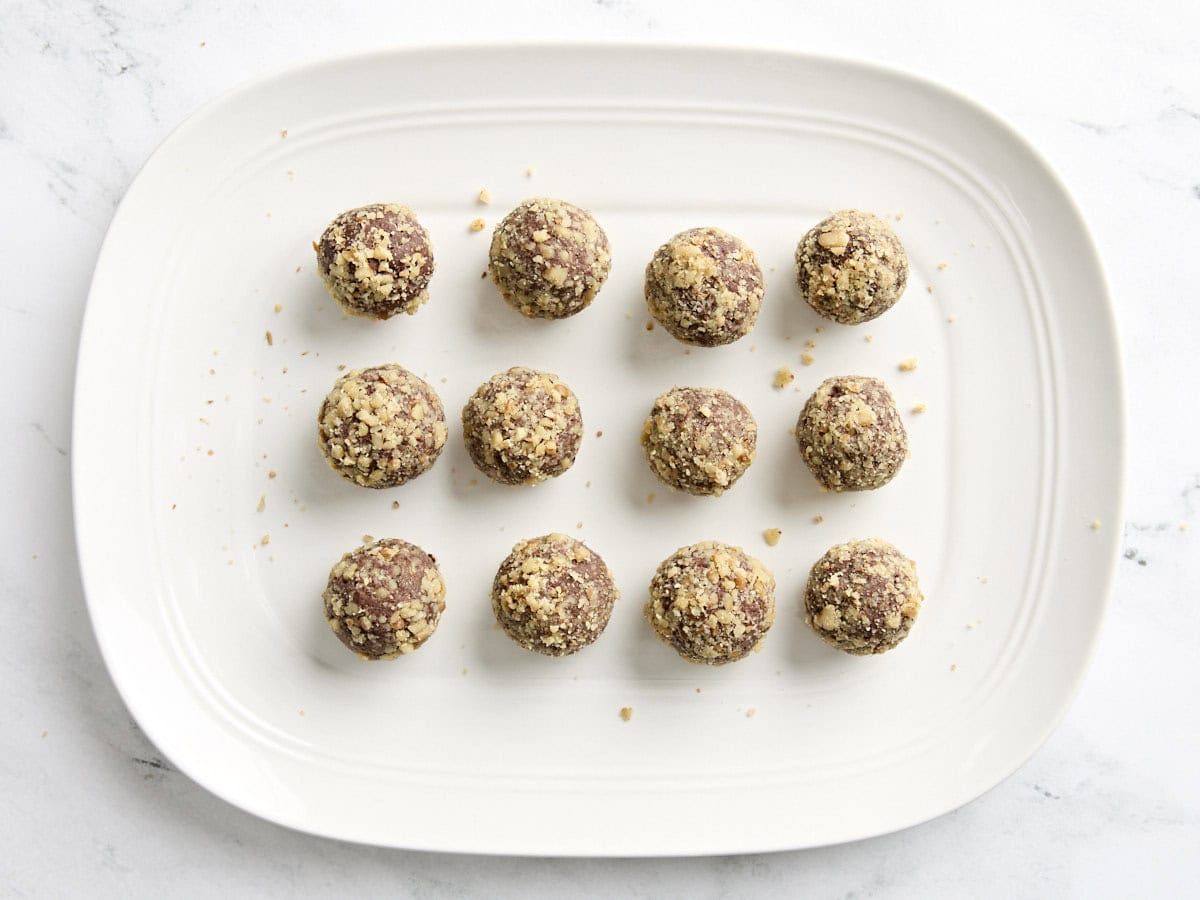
x=1110 y=806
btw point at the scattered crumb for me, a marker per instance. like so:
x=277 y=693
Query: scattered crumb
x=818 y=329
x=817 y=520
x=807 y=359
x=473 y=483
x=395 y=504
x=204 y=43
x=44 y=733
x=810 y=344
x=649 y=324
x=907 y=365
x=212 y=371
x=753 y=347
x=626 y=713
x=868 y=338
x=771 y=536
x=444 y=379
x=262 y=503
x=485 y=196
x=203 y=421
x=1095 y=526
x=477 y=225
x=943 y=266
x=750 y=712
x=929 y=288
x=599 y=434
x=899 y=216
x=367 y=539
x=266 y=539
x=578 y=524
x=300 y=712
x=270 y=340
x=210 y=453
x=697 y=690
x=784 y=377
x=983 y=579
x=919 y=408
x=953 y=667
x=649 y=498
x=483 y=274
x=272 y=474
x=283 y=132
x=464 y=671
x=951 y=319
x=279 y=306
x=530 y=172
x=587 y=484
x=172 y=507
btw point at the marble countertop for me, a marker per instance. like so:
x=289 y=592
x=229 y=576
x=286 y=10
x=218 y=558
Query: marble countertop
x=1110 y=806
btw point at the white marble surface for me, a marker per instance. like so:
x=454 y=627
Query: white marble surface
x=1109 y=92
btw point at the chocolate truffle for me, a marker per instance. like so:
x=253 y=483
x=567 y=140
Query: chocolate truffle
x=705 y=287
x=381 y=427
x=850 y=434
x=553 y=595
x=384 y=599
x=549 y=258
x=522 y=426
x=699 y=440
x=712 y=603
x=862 y=597
x=851 y=267
x=376 y=261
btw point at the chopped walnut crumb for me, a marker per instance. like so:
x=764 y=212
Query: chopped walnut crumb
x=395 y=504
x=943 y=266
x=278 y=307
x=283 y=132
x=907 y=365
x=951 y=319
x=899 y=216
x=485 y=196
x=367 y=539
x=919 y=408
x=210 y=453
x=1095 y=525
x=818 y=329
x=953 y=667
x=266 y=539
x=477 y=225
x=483 y=274
x=649 y=325
x=750 y=712
x=271 y=474
x=649 y=498
x=929 y=288
x=473 y=483
x=270 y=340
x=771 y=536
x=626 y=713
x=810 y=344
x=262 y=503
x=599 y=434
x=817 y=520
x=807 y=359
x=530 y=172
x=868 y=338
x=784 y=377
x=579 y=524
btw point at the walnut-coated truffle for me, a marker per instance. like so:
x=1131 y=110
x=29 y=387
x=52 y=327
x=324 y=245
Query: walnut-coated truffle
x=712 y=603
x=384 y=599
x=553 y=595
x=705 y=287
x=522 y=426
x=699 y=440
x=381 y=427
x=862 y=597
x=376 y=261
x=851 y=267
x=549 y=258
x=850 y=434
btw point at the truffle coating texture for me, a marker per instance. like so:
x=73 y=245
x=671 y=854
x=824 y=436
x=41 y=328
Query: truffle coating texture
x=376 y=261
x=549 y=258
x=699 y=440
x=851 y=267
x=522 y=426
x=705 y=287
x=851 y=435
x=553 y=595
x=381 y=427
x=862 y=597
x=712 y=603
x=384 y=599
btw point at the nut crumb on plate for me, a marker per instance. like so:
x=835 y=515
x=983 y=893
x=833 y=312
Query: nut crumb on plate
x=771 y=536
x=485 y=196
x=478 y=225
x=907 y=365
x=626 y=713
x=919 y=408
x=783 y=377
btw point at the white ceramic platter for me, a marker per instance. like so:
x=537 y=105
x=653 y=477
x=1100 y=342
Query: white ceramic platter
x=216 y=639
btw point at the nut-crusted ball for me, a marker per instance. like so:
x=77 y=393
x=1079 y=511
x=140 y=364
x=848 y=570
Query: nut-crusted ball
x=553 y=595
x=851 y=267
x=712 y=603
x=376 y=261
x=549 y=258
x=862 y=597
x=384 y=599
x=850 y=434
x=381 y=427
x=699 y=440
x=522 y=426
x=705 y=287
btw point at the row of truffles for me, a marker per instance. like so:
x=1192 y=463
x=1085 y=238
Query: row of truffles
x=710 y=602
x=381 y=427
x=549 y=259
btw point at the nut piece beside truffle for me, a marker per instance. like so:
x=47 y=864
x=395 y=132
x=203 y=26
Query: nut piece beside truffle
x=384 y=599
x=705 y=287
x=553 y=595
x=376 y=261
x=862 y=597
x=549 y=258
x=381 y=427
x=522 y=426
x=851 y=435
x=699 y=440
x=712 y=603
x=851 y=267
